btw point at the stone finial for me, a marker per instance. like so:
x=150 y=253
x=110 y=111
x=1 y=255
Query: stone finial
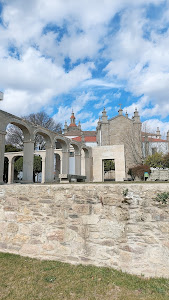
x=120 y=111
x=126 y=114
x=104 y=115
x=99 y=121
x=65 y=127
x=136 y=117
x=158 y=134
x=79 y=126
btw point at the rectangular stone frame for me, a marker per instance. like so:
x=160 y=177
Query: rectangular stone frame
x=115 y=152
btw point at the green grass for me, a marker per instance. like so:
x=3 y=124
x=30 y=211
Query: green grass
x=23 y=278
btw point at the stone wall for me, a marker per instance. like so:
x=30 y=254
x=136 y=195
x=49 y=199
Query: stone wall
x=159 y=174
x=88 y=223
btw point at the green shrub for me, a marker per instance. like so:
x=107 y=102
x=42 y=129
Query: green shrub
x=139 y=171
x=162 y=197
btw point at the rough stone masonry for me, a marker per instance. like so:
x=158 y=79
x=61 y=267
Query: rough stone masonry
x=88 y=223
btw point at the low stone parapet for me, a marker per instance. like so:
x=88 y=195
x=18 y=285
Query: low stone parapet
x=159 y=174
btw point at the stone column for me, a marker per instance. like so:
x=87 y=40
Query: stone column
x=43 y=169
x=2 y=150
x=10 y=170
x=87 y=168
x=77 y=164
x=49 y=166
x=65 y=162
x=28 y=156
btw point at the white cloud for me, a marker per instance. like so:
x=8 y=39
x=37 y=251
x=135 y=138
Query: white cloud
x=102 y=103
x=152 y=124
x=77 y=105
x=139 y=65
x=142 y=63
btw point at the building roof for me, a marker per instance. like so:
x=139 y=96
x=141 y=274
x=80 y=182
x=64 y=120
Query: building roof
x=153 y=140
x=72 y=125
x=89 y=139
x=148 y=134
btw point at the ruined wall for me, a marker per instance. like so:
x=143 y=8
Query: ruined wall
x=88 y=223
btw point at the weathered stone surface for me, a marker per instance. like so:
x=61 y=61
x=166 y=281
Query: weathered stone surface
x=90 y=224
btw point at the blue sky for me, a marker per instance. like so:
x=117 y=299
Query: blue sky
x=86 y=55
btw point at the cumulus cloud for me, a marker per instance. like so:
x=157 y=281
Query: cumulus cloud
x=51 y=48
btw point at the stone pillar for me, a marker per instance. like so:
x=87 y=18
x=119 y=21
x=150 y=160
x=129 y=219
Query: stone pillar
x=77 y=164
x=10 y=170
x=87 y=168
x=43 y=169
x=28 y=156
x=2 y=150
x=49 y=165
x=65 y=162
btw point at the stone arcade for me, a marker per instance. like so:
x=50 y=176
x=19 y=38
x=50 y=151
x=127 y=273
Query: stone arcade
x=118 y=138
x=51 y=138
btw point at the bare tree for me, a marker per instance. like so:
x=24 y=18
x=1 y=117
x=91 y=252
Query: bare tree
x=15 y=136
x=132 y=144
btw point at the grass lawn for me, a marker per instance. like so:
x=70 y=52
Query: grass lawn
x=23 y=278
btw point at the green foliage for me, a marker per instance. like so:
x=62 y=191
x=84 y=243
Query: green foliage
x=11 y=148
x=18 y=165
x=158 y=160
x=37 y=165
x=155 y=161
x=139 y=171
x=162 y=197
x=109 y=165
x=166 y=161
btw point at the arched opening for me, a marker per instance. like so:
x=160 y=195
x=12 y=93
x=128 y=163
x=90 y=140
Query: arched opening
x=16 y=172
x=37 y=168
x=18 y=138
x=62 y=148
x=75 y=159
x=45 y=148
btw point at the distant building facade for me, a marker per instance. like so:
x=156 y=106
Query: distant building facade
x=153 y=142
x=121 y=130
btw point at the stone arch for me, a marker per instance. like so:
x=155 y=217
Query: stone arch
x=48 y=161
x=64 y=142
x=87 y=150
x=46 y=135
x=24 y=126
x=27 y=129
